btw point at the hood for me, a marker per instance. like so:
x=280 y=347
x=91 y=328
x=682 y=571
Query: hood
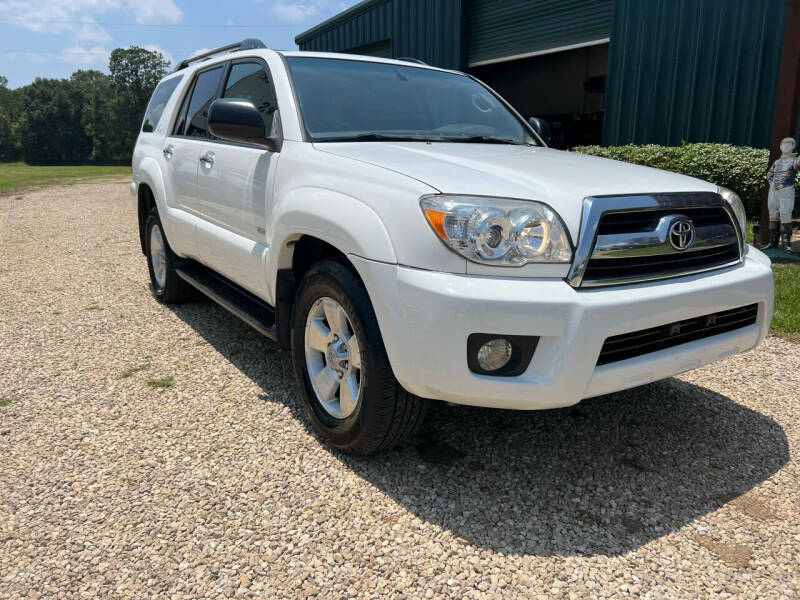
x=558 y=178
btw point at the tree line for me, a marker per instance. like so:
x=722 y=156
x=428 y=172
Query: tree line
x=90 y=117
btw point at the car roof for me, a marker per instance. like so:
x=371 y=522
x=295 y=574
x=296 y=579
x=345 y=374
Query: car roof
x=361 y=57
x=223 y=56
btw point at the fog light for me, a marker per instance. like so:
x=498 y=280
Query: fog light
x=494 y=354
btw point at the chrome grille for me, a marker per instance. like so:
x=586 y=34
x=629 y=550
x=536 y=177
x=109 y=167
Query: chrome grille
x=626 y=222
x=626 y=239
x=645 y=267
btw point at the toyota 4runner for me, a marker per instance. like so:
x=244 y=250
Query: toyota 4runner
x=410 y=237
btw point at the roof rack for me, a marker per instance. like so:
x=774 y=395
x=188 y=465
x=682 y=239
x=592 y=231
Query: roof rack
x=412 y=60
x=248 y=44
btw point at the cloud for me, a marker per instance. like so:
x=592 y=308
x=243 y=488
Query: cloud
x=77 y=17
x=91 y=33
x=157 y=48
x=58 y=16
x=200 y=51
x=96 y=55
x=154 y=11
x=294 y=12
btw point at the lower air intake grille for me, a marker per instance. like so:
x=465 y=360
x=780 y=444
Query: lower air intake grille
x=637 y=343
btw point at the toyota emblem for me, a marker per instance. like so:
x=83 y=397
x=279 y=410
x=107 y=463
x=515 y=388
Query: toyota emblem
x=681 y=233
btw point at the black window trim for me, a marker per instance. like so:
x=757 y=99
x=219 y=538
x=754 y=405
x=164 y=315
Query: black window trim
x=187 y=98
x=177 y=79
x=223 y=81
x=221 y=92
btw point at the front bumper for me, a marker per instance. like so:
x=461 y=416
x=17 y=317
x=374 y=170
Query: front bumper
x=425 y=318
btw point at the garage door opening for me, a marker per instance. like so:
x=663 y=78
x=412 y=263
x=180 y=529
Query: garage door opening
x=566 y=88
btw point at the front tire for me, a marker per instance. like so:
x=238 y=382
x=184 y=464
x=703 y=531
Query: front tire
x=349 y=390
x=166 y=285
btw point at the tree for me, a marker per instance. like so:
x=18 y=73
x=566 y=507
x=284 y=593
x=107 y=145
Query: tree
x=51 y=128
x=98 y=112
x=90 y=117
x=135 y=72
x=8 y=149
x=9 y=115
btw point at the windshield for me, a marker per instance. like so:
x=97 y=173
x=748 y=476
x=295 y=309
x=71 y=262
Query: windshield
x=351 y=100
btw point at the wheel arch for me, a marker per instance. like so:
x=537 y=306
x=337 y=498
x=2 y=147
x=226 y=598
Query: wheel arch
x=150 y=193
x=145 y=203
x=302 y=253
x=310 y=224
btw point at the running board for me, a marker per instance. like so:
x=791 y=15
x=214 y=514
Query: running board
x=230 y=296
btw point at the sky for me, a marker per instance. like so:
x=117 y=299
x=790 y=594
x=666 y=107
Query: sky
x=54 y=38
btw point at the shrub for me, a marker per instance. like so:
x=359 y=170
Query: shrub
x=739 y=168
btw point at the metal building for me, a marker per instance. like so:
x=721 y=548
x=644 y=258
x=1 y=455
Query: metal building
x=610 y=71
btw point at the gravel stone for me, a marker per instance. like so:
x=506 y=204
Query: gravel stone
x=215 y=487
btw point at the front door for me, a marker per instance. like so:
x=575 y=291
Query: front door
x=235 y=185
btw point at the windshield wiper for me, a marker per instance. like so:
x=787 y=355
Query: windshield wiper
x=384 y=137
x=483 y=139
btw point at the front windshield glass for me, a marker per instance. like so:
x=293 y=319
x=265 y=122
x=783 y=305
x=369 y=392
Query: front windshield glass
x=351 y=100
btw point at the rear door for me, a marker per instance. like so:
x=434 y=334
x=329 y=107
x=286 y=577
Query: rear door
x=183 y=150
x=235 y=184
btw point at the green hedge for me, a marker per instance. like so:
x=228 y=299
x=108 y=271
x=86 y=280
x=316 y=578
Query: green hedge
x=739 y=168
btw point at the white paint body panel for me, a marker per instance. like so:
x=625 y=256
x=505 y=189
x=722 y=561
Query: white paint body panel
x=233 y=195
x=426 y=317
x=241 y=216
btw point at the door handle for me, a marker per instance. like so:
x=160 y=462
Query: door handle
x=208 y=158
x=168 y=152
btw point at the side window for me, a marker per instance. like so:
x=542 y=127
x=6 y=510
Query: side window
x=196 y=116
x=180 y=121
x=250 y=80
x=158 y=102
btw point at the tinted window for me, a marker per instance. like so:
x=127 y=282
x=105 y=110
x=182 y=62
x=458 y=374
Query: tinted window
x=180 y=122
x=158 y=102
x=205 y=89
x=341 y=99
x=251 y=82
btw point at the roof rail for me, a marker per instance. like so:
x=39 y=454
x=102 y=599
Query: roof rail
x=248 y=44
x=412 y=60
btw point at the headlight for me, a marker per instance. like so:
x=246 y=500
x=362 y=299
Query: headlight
x=736 y=204
x=495 y=231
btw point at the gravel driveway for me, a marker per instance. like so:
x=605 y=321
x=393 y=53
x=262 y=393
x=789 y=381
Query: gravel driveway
x=148 y=451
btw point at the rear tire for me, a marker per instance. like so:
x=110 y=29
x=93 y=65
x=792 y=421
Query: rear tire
x=166 y=285
x=334 y=328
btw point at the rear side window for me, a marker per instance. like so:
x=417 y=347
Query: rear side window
x=250 y=80
x=202 y=95
x=158 y=102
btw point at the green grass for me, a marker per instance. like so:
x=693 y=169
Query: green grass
x=128 y=372
x=787 y=300
x=164 y=382
x=786 y=318
x=14 y=176
x=6 y=400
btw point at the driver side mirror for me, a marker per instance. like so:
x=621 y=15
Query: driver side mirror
x=238 y=120
x=541 y=127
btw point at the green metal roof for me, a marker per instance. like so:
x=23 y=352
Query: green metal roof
x=338 y=19
x=509 y=28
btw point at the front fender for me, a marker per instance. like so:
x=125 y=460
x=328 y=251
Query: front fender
x=149 y=172
x=178 y=225
x=342 y=221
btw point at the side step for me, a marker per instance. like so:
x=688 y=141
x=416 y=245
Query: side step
x=230 y=296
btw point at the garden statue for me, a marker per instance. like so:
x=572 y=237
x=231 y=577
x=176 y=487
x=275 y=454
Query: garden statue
x=781 y=176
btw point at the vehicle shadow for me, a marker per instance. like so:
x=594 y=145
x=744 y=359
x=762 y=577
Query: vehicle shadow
x=604 y=477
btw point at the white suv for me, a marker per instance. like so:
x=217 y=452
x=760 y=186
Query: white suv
x=410 y=237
